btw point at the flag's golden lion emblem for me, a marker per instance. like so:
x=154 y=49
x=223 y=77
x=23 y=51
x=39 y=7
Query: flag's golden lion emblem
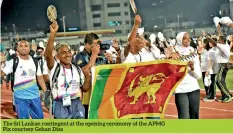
x=146 y=87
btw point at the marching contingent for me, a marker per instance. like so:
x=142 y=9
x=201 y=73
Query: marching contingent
x=63 y=80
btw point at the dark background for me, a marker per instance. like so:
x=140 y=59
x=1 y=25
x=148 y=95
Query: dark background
x=31 y=14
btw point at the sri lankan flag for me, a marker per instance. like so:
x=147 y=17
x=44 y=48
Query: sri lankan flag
x=124 y=91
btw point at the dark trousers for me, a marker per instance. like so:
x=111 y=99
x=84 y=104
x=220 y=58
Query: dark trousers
x=188 y=104
x=212 y=87
x=86 y=111
x=206 y=88
x=221 y=76
x=211 y=90
x=74 y=111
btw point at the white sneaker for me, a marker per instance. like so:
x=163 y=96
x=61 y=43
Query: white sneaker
x=208 y=100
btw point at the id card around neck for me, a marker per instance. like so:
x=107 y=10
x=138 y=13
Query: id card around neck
x=66 y=100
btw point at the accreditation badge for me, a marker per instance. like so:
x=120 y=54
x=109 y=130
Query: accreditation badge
x=66 y=100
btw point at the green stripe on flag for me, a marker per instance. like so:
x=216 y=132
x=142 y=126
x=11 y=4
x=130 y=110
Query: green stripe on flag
x=97 y=93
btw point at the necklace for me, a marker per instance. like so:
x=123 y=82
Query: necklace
x=136 y=58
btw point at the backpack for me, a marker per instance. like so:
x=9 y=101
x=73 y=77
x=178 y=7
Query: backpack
x=41 y=65
x=15 y=65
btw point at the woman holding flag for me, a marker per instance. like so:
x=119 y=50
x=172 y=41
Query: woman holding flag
x=187 y=94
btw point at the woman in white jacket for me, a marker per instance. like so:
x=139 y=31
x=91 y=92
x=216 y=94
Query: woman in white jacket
x=187 y=94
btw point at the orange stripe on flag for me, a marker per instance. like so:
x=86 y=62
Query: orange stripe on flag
x=109 y=91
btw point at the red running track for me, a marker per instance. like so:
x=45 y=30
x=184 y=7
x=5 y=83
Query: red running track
x=208 y=110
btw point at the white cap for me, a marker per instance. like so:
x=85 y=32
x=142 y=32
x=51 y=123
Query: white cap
x=41 y=44
x=173 y=42
x=152 y=38
x=225 y=21
x=161 y=37
x=140 y=31
x=216 y=21
x=81 y=48
x=11 y=52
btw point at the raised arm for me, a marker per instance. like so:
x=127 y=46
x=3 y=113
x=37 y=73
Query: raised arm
x=219 y=30
x=95 y=51
x=49 y=47
x=116 y=46
x=137 y=22
x=209 y=38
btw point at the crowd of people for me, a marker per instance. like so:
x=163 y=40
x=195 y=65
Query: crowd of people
x=62 y=79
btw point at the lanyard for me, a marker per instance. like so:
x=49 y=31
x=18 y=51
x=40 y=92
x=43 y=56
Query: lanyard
x=42 y=65
x=136 y=58
x=66 y=84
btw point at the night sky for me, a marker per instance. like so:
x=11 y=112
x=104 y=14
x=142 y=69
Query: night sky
x=31 y=14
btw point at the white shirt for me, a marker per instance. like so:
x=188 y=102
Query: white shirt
x=189 y=83
x=212 y=56
x=133 y=58
x=66 y=77
x=143 y=56
x=204 y=61
x=25 y=85
x=156 y=52
x=223 y=53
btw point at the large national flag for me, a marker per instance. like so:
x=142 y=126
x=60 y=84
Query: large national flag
x=125 y=91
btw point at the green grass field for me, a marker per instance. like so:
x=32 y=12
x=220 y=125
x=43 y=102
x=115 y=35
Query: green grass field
x=229 y=81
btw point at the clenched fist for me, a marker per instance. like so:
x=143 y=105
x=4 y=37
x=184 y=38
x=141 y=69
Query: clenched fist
x=54 y=27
